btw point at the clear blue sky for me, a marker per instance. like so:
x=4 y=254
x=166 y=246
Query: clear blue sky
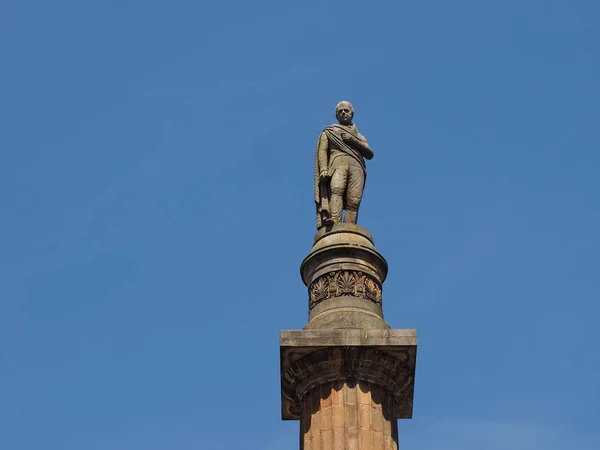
x=156 y=190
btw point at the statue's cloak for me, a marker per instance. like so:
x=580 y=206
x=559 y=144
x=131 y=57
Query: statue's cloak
x=333 y=133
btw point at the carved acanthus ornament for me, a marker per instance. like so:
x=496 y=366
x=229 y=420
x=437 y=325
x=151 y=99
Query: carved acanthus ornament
x=344 y=283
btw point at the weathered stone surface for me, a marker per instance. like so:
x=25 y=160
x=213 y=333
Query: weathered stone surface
x=346 y=317
x=344 y=274
x=361 y=416
x=310 y=358
x=353 y=337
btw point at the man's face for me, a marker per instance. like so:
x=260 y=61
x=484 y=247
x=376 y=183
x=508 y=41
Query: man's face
x=344 y=114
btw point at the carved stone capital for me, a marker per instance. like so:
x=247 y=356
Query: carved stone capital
x=384 y=358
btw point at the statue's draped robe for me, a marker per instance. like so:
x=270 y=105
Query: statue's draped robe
x=333 y=133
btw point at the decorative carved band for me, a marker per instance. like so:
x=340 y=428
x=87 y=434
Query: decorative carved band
x=347 y=282
x=391 y=371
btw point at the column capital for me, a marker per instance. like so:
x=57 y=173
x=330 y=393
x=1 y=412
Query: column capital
x=310 y=358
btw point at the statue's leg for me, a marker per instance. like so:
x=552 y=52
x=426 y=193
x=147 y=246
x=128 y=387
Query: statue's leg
x=354 y=191
x=338 y=186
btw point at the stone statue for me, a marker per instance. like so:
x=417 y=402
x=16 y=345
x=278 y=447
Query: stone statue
x=340 y=170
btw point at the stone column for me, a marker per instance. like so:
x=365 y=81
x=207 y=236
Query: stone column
x=348 y=415
x=347 y=376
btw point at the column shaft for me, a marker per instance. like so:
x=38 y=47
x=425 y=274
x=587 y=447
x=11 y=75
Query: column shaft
x=345 y=415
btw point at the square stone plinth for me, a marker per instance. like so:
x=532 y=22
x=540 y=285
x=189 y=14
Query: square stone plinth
x=399 y=345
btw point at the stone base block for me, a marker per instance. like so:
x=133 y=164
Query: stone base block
x=379 y=357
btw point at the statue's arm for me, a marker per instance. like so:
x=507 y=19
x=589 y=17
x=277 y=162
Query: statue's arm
x=364 y=147
x=359 y=143
x=322 y=150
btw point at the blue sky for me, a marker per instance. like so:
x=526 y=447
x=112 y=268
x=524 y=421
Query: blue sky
x=156 y=188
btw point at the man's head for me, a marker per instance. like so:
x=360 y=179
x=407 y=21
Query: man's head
x=344 y=112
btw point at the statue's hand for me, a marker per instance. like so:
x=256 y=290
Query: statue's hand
x=324 y=176
x=348 y=138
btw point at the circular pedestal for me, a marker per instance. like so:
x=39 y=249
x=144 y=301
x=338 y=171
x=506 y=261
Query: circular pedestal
x=344 y=274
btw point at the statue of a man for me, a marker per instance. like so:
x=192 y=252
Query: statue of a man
x=340 y=171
